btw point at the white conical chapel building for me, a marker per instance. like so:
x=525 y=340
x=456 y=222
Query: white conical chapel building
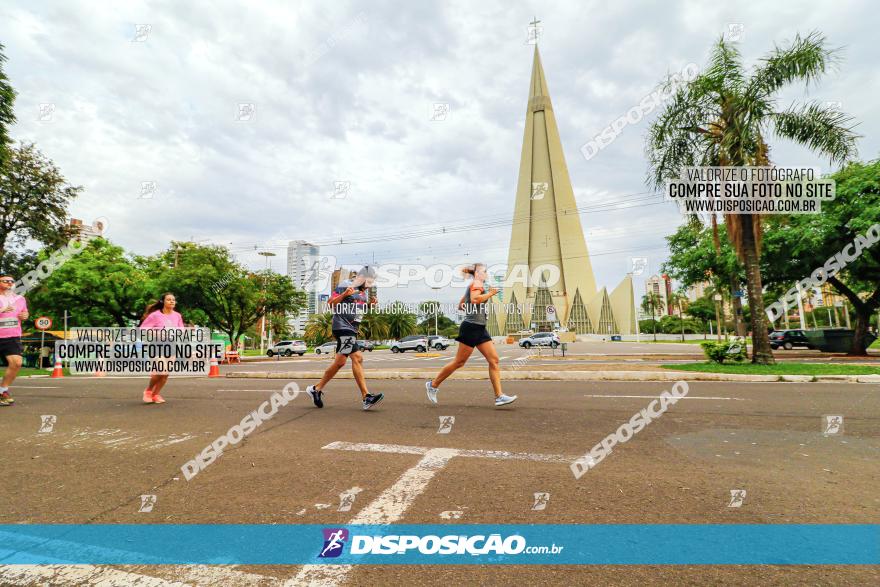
x=547 y=232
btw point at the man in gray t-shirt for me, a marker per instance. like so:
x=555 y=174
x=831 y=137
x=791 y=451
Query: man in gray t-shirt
x=348 y=305
x=348 y=311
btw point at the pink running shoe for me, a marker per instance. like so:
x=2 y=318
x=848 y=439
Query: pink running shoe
x=158 y=399
x=148 y=396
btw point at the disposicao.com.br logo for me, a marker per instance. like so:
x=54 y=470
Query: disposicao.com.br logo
x=476 y=545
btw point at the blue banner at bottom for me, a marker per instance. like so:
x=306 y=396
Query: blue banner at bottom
x=604 y=544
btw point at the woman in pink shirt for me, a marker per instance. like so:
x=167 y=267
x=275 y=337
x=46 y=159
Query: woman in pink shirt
x=160 y=315
x=13 y=311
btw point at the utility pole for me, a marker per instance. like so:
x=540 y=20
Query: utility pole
x=636 y=309
x=681 y=318
x=717 y=298
x=436 y=311
x=800 y=303
x=266 y=254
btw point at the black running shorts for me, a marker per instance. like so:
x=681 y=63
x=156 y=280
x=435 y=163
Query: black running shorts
x=471 y=334
x=10 y=346
x=346 y=342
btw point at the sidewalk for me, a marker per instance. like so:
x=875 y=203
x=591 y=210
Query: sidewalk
x=555 y=374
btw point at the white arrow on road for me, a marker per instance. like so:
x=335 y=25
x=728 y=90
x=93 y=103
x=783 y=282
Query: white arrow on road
x=392 y=503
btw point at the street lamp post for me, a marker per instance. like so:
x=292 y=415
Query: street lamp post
x=436 y=311
x=268 y=255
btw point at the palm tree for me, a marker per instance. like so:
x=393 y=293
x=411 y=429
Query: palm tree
x=430 y=312
x=399 y=322
x=721 y=118
x=651 y=302
x=678 y=298
x=319 y=328
x=374 y=326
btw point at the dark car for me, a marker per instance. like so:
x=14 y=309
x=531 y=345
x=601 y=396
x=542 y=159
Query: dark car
x=788 y=339
x=365 y=345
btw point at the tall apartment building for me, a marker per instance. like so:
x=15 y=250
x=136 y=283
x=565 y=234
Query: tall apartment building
x=697 y=290
x=660 y=285
x=87 y=230
x=304 y=268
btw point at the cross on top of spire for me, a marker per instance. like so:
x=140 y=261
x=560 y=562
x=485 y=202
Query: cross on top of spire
x=534 y=31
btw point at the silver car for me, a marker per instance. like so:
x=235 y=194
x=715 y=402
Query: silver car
x=326 y=348
x=441 y=343
x=287 y=348
x=550 y=339
x=417 y=343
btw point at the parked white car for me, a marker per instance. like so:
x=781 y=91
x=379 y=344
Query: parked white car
x=550 y=339
x=441 y=343
x=326 y=348
x=286 y=348
x=417 y=343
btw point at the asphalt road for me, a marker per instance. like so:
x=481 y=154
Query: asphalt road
x=586 y=354
x=106 y=449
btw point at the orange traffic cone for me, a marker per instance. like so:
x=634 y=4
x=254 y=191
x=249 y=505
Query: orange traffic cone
x=57 y=372
x=215 y=369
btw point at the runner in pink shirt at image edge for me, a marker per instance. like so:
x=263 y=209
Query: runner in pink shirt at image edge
x=13 y=311
x=159 y=315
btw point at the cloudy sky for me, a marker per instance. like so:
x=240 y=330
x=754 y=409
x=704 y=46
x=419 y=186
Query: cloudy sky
x=150 y=92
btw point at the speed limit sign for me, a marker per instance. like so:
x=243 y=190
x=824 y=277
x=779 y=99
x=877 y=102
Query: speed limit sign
x=43 y=323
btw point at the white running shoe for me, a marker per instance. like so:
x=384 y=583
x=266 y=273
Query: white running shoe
x=431 y=391
x=503 y=400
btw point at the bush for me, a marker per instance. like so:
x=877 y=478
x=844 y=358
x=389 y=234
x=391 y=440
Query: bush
x=672 y=325
x=718 y=352
x=647 y=326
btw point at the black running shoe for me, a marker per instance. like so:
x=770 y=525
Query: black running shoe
x=371 y=400
x=316 y=395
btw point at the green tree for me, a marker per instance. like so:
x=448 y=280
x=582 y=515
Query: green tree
x=220 y=293
x=799 y=245
x=319 y=329
x=428 y=311
x=399 y=322
x=703 y=309
x=373 y=326
x=653 y=304
x=279 y=325
x=680 y=300
x=721 y=118
x=696 y=256
x=99 y=286
x=34 y=197
x=7 y=113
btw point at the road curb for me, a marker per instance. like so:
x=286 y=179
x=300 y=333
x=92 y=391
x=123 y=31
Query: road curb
x=568 y=376
x=796 y=378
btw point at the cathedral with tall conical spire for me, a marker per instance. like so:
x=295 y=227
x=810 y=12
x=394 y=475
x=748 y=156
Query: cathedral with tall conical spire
x=548 y=239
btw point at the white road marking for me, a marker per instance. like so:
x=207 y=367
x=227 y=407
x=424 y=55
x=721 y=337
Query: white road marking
x=391 y=504
x=17 y=386
x=368 y=447
x=112 y=438
x=658 y=397
x=224 y=389
x=77 y=575
x=212 y=576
